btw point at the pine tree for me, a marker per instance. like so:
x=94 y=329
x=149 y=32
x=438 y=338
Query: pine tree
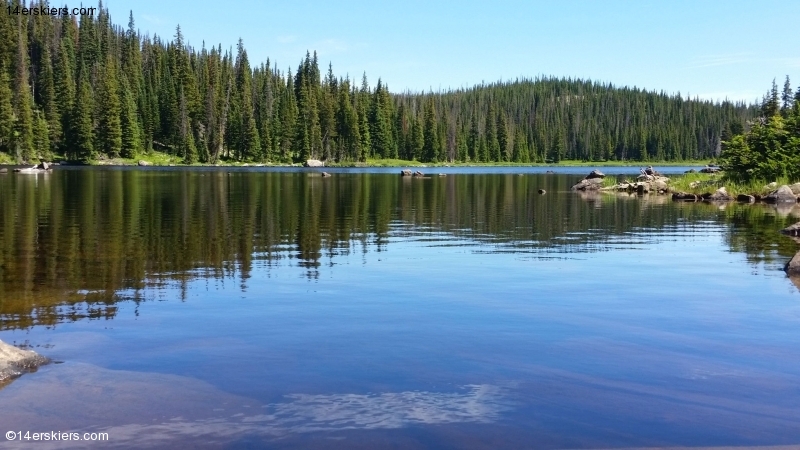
x=430 y=149
x=81 y=147
x=65 y=93
x=109 y=129
x=520 y=153
x=787 y=98
x=131 y=143
x=23 y=102
x=41 y=139
x=6 y=112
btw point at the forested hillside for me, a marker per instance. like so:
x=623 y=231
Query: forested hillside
x=85 y=88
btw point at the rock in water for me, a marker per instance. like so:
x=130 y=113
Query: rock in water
x=684 y=196
x=406 y=173
x=784 y=194
x=588 y=184
x=792 y=230
x=595 y=174
x=744 y=198
x=14 y=361
x=793 y=266
x=314 y=163
x=325 y=174
x=542 y=192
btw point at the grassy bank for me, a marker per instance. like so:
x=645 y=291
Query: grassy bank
x=701 y=183
x=163 y=159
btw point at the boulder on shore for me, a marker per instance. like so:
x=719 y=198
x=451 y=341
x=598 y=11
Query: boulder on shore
x=144 y=163
x=721 y=195
x=15 y=361
x=313 y=163
x=783 y=194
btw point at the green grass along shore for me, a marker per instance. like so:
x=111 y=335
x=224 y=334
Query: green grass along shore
x=163 y=159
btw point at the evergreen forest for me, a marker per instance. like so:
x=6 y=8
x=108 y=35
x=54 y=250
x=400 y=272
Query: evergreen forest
x=770 y=149
x=85 y=89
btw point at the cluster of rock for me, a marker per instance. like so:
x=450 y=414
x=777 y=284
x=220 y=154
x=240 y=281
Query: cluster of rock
x=15 y=361
x=783 y=194
x=41 y=167
x=644 y=184
x=648 y=181
x=711 y=169
x=592 y=182
x=409 y=173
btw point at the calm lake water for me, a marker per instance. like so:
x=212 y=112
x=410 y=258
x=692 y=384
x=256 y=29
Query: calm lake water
x=232 y=308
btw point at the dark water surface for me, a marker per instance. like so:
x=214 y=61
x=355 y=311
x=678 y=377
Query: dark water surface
x=279 y=309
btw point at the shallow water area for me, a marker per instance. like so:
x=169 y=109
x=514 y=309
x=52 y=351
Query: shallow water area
x=269 y=308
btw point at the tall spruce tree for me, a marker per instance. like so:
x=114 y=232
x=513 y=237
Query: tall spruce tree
x=109 y=126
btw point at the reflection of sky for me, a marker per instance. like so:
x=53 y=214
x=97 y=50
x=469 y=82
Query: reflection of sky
x=479 y=403
x=309 y=413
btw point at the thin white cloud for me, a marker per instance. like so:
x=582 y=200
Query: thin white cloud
x=722 y=60
x=287 y=39
x=152 y=19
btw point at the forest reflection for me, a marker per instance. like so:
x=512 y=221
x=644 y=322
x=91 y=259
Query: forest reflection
x=75 y=242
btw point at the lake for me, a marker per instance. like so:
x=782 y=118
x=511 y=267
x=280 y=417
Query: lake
x=275 y=308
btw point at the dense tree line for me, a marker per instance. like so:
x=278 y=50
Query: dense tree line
x=86 y=88
x=770 y=149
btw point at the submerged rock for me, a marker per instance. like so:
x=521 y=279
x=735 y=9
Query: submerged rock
x=15 y=361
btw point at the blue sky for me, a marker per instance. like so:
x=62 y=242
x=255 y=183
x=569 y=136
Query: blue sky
x=711 y=49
